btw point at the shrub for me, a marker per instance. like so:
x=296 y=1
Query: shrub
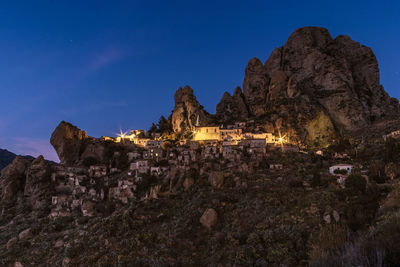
x=339 y=171
x=316 y=179
x=355 y=184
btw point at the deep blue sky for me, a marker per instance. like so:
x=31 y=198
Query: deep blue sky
x=105 y=65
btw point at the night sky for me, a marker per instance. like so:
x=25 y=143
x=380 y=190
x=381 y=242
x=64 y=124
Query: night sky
x=106 y=65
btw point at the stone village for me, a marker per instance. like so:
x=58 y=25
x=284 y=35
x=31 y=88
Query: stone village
x=212 y=150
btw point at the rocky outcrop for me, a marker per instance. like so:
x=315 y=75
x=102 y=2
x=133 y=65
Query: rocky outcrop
x=232 y=107
x=74 y=146
x=187 y=111
x=13 y=178
x=255 y=86
x=6 y=157
x=339 y=75
x=68 y=141
x=37 y=180
x=315 y=86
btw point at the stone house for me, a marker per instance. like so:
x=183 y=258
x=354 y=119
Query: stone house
x=240 y=125
x=133 y=155
x=206 y=133
x=153 y=144
x=340 y=155
x=210 y=152
x=230 y=153
x=97 y=171
x=140 y=166
x=230 y=134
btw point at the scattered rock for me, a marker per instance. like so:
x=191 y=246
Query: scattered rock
x=18 y=264
x=11 y=242
x=209 y=218
x=189 y=181
x=66 y=262
x=59 y=243
x=216 y=179
x=87 y=208
x=26 y=234
x=336 y=216
x=154 y=191
x=327 y=218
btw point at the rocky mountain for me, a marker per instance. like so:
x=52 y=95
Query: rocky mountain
x=6 y=157
x=314 y=86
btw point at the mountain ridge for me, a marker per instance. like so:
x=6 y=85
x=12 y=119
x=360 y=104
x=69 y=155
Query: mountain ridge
x=313 y=83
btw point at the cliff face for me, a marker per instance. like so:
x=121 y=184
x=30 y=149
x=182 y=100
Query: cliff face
x=187 y=110
x=339 y=74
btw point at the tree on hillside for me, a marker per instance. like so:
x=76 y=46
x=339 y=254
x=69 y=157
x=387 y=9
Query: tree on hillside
x=392 y=150
x=153 y=128
x=355 y=184
x=164 y=126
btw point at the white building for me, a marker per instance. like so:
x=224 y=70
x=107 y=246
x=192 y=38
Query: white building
x=346 y=167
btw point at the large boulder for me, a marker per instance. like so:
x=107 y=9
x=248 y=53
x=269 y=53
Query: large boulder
x=68 y=141
x=26 y=234
x=209 y=218
x=13 y=177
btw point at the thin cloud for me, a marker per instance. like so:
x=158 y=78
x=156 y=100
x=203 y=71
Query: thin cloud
x=33 y=147
x=105 y=58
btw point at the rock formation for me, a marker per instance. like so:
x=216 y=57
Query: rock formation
x=209 y=218
x=255 y=86
x=73 y=145
x=37 y=180
x=232 y=107
x=187 y=111
x=68 y=141
x=315 y=85
x=13 y=178
x=339 y=74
